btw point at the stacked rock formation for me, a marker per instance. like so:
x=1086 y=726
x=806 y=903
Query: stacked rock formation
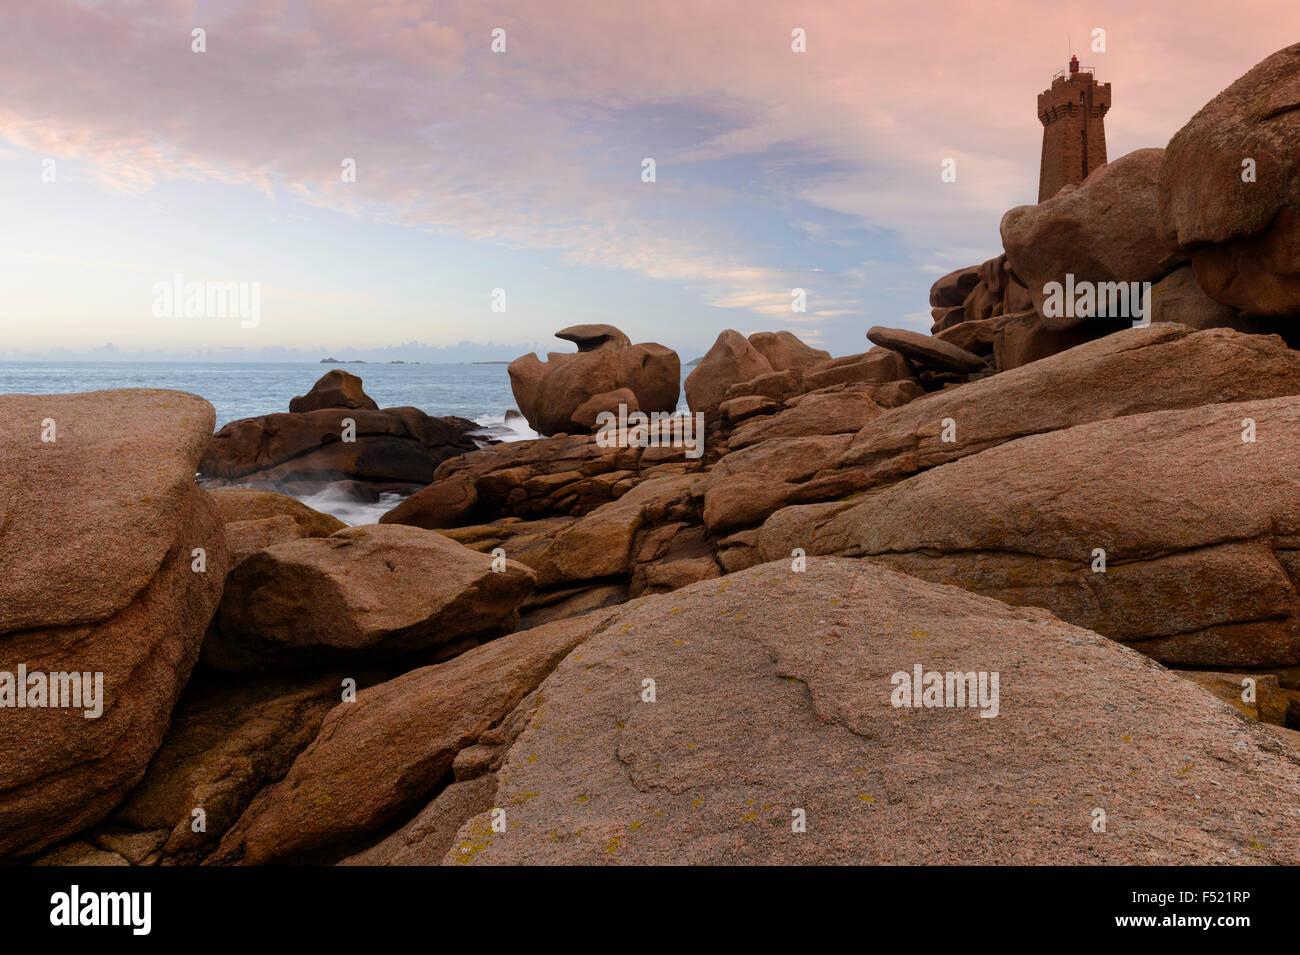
x=567 y=392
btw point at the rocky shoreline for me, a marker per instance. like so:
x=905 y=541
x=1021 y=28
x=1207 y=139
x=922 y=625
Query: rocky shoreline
x=647 y=637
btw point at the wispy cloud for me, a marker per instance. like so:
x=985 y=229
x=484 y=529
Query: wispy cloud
x=761 y=154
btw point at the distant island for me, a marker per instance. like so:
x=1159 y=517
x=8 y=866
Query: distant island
x=394 y=361
x=489 y=363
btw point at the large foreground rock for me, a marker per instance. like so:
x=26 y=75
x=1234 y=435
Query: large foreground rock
x=1199 y=529
x=1103 y=231
x=386 y=753
x=111 y=562
x=362 y=593
x=229 y=738
x=772 y=705
x=1242 y=228
x=1129 y=372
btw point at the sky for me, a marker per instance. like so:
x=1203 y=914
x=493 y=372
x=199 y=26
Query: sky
x=500 y=195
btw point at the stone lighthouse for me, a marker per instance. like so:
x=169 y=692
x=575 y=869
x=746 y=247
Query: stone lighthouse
x=1072 y=112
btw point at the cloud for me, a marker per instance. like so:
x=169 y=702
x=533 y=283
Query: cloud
x=540 y=147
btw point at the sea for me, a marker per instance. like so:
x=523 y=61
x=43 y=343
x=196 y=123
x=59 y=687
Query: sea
x=479 y=392
x=248 y=389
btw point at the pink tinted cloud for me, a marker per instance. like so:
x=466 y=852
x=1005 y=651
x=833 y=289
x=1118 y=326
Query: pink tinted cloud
x=448 y=135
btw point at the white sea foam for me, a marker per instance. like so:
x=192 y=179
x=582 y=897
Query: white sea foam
x=348 y=509
x=508 y=427
x=512 y=426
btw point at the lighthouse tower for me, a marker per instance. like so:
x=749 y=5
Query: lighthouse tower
x=1072 y=111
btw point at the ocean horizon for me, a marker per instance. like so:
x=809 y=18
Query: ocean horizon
x=479 y=391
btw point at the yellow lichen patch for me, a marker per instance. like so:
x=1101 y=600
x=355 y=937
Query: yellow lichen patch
x=583 y=798
x=614 y=845
x=531 y=759
x=676 y=610
x=480 y=838
x=919 y=634
x=470 y=849
x=1185 y=770
x=635 y=826
x=749 y=817
x=1126 y=738
x=523 y=797
x=865 y=798
x=697 y=803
